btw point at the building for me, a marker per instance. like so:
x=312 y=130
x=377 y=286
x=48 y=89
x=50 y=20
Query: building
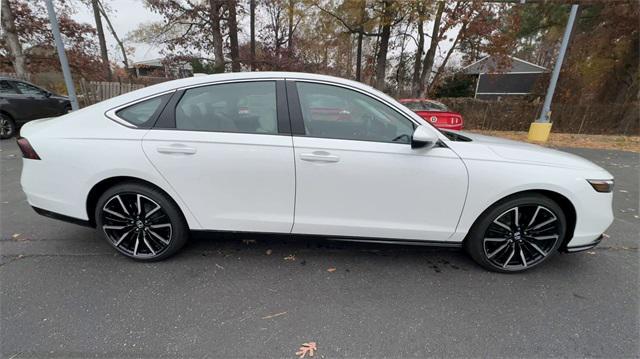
x=495 y=81
x=156 y=68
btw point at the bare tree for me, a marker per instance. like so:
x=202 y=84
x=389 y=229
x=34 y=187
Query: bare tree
x=101 y=40
x=385 y=34
x=11 y=37
x=417 y=65
x=427 y=64
x=125 y=60
x=216 y=33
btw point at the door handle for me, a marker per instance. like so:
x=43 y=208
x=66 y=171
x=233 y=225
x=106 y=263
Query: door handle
x=319 y=156
x=181 y=149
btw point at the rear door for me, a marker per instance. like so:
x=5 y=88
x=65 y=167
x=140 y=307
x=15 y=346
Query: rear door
x=226 y=149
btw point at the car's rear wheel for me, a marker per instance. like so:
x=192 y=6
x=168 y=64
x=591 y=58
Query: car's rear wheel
x=517 y=234
x=141 y=222
x=7 y=127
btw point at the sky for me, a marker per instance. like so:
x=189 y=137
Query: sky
x=126 y=15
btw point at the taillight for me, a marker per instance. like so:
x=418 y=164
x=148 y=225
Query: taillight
x=27 y=150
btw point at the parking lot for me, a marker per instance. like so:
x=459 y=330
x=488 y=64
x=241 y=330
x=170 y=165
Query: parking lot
x=66 y=293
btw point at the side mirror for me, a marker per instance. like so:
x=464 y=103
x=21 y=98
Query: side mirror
x=423 y=137
x=46 y=93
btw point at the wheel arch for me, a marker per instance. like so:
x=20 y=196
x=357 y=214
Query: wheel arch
x=6 y=113
x=565 y=204
x=99 y=188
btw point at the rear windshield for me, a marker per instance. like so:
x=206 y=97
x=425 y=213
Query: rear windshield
x=426 y=106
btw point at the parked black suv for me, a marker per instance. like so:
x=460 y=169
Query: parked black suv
x=21 y=102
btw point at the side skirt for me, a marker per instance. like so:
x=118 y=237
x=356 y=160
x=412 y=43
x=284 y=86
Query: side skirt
x=413 y=242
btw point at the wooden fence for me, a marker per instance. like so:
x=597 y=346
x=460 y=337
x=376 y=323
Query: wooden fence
x=95 y=91
x=25 y=77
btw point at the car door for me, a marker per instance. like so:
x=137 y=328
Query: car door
x=358 y=175
x=11 y=101
x=227 y=150
x=37 y=100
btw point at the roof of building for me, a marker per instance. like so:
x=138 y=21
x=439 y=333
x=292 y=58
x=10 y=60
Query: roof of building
x=158 y=63
x=489 y=64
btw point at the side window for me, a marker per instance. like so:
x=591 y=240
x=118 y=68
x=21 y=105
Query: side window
x=6 y=88
x=247 y=107
x=27 y=89
x=142 y=113
x=335 y=112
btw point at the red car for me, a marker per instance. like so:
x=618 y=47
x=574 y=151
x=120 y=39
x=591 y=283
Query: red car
x=435 y=113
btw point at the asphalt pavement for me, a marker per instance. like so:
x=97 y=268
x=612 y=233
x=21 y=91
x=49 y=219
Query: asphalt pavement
x=65 y=293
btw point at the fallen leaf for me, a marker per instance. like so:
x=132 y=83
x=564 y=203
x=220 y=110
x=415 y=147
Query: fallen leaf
x=290 y=257
x=331 y=270
x=307 y=348
x=274 y=315
x=590 y=252
x=269 y=251
x=219 y=266
x=15 y=235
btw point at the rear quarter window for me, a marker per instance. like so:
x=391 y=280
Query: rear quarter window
x=143 y=114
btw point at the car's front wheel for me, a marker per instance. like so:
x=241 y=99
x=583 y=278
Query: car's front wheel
x=141 y=222
x=517 y=234
x=7 y=127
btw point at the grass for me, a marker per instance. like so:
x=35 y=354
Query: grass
x=606 y=142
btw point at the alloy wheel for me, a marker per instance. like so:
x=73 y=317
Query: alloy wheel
x=6 y=127
x=136 y=225
x=521 y=237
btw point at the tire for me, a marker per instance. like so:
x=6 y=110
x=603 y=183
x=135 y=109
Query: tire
x=154 y=233
x=499 y=243
x=7 y=127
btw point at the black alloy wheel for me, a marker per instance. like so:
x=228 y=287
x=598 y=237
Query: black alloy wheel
x=7 y=127
x=518 y=234
x=141 y=222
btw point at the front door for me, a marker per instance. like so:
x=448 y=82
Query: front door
x=227 y=156
x=357 y=175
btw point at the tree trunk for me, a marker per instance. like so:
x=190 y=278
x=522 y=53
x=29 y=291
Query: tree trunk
x=214 y=17
x=252 y=30
x=359 y=58
x=417 y=65
x=290 y=25
x=125 y=61
x=233 y=36
x=363 y=14
x=381 y=60
x=11 y=37
x=427 y=65
x=101 y=40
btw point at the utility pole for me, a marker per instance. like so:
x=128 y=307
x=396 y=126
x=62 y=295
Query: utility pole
x=66 y=72
x=540 y=129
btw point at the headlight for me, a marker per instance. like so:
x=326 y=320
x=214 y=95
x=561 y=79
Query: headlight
x=604 y=186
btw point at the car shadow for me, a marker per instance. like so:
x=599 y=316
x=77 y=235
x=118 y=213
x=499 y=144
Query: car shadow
x=301 y=248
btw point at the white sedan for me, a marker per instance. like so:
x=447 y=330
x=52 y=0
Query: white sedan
x=305 y=154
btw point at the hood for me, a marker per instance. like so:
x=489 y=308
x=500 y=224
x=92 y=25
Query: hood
x=523 y=152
